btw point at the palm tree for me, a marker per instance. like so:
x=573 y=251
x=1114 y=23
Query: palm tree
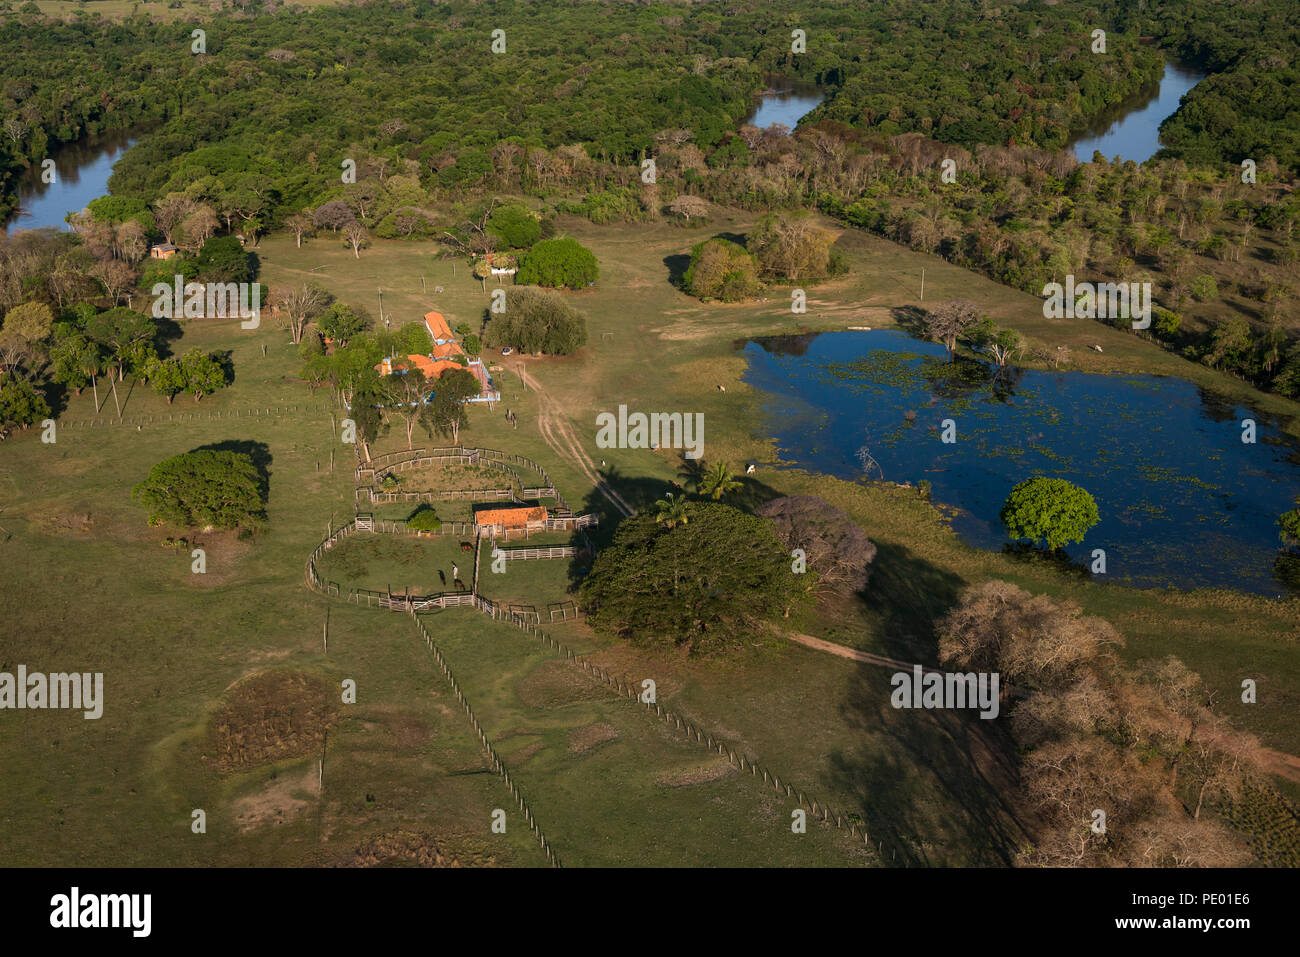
x=671 y=510
x=718 y=481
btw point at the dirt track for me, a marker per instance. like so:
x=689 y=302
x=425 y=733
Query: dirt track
x=557 y=433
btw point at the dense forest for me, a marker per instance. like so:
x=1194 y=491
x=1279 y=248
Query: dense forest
x=262 y=129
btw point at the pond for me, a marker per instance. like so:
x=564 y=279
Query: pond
x=1184 y=502
x=787 y=104
x=1131 y=130
x=81 y=172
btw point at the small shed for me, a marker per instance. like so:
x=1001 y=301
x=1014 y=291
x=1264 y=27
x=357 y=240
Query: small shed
x=162 y=251
x=516 y=521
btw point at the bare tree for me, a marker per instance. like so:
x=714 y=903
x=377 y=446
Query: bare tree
x=835 y=547
x=298 y=305
x=130 y=242
x=115 y=275
x=947 y=322
x=356 y=236
x=300 y=224
x=170 y=212
x=15 y=129
x=688 y=206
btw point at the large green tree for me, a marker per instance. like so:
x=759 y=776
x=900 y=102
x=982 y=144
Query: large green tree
x=201 y=488
x=705 y=583
x=20 y=402
x=536 y=321
x=1049 y=510
x=446 y=414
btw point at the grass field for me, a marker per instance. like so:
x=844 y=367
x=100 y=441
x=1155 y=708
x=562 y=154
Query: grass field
x=93 y=589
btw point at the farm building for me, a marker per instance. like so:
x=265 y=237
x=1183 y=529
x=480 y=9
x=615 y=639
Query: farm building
x=516 y=521
x=439 y=331
x=447 y=354
x=162 y=251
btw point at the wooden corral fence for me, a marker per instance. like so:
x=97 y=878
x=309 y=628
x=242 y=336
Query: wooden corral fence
x=398 y=527
x=590 y=520
x=414 y=458
x=378 y=496
x=567 y=610
x=539 y=551
x=379 y=599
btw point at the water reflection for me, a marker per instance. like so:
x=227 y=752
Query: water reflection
x=1131 y=130
x=81 y=174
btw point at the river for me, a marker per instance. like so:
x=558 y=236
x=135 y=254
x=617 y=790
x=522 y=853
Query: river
x=81 y=173
x=1131 y=130
x=1183 y=501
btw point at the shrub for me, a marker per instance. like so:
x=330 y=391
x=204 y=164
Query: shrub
x=424 y=519
x=558 y=262
x=1204 y=288
x=721 y=269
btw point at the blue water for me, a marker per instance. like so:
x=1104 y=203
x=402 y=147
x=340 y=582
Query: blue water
x=81 y=173
x=1132 y=130
x=786 y=108
x=1183 y=501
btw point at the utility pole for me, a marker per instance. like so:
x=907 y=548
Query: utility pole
x=923 y=284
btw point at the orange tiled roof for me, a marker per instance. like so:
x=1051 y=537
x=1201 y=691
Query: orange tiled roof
x=517 y=517
x=447 y=349
x=437 y=326
x=432 y=368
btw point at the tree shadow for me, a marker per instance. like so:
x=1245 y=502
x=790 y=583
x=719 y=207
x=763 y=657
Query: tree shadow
x=967 y=763
x=1030 y=554
x=904 y=597
x=737 y=238
x=57 y=396
x=792 y=344
x=930 y=786
x=909 y=319
x=259 y=452
x=166 y=332
x=226 y=360
x=677 y=264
